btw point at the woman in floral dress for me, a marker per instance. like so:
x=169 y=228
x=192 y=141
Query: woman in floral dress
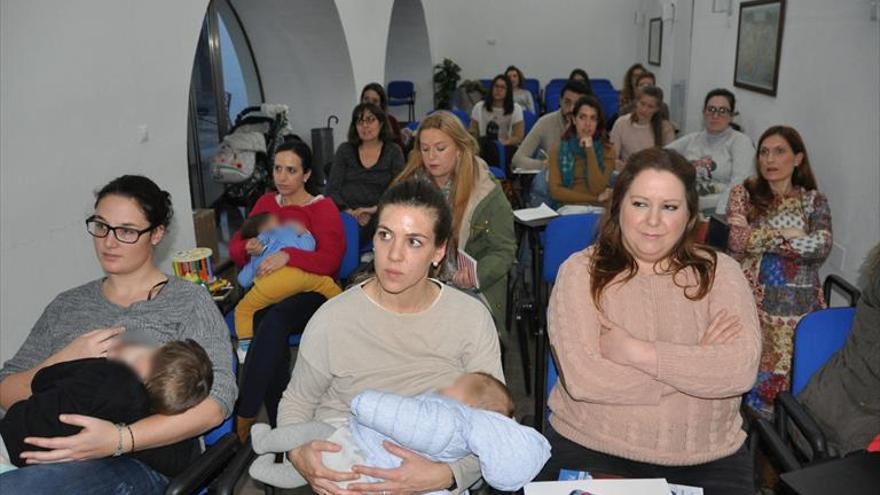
x=780 y=231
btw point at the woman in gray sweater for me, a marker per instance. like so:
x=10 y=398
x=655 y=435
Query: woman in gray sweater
x=134 y=300
x=364 y=167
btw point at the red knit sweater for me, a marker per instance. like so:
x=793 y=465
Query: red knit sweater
x=322 y=219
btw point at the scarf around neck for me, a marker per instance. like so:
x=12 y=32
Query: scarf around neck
x=571 y=148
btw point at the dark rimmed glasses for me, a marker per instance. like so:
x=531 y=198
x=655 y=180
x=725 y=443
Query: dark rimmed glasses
x=125 y=235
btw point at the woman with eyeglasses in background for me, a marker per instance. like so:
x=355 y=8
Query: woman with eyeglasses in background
x=721 y=154
x=133 y=300
x=364 y=166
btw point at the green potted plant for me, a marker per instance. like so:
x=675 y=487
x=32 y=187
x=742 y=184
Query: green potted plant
x=446 y=79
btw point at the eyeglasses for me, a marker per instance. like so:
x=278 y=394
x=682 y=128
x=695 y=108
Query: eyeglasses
x=125 y=235
x=367 y=121
x=719 y=111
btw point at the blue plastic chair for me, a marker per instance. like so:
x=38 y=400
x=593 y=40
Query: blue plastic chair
x=610 y=101
x=498 y=172
x=529 y=120
x=534 y=87
x=486 y=84
x=402 y=93
x=563 y=237
x=552 y=92
x=462 y=116
x=601 y=85
x=817 y=337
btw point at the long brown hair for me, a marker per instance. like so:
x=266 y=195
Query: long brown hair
x=464 y=177
x=760 y=194
x=610 y=257
x=656 y=119
x=628 y=93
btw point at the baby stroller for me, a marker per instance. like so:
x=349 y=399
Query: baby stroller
x=243 y=161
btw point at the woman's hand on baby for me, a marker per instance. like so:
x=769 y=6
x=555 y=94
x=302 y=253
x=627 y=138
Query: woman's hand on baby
x=307 y=460
x=722 y=329
x=97 y=343
x=273 y=262
x=415 y=475
x=97 y=439
x=254 y=247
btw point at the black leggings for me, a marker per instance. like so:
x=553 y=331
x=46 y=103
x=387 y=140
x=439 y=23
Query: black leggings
x=266 y=369
x=731 y=475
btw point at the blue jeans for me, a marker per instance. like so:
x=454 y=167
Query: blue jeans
x=110 y=476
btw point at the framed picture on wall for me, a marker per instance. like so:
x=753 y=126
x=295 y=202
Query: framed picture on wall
x=759 y=45
x=655 y=40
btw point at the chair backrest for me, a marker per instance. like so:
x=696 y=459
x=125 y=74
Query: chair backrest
x=533 y=86
x=498 y=172
x=529 y=119
x=351 y=257
x=486 y=84
x=400 y=89
x=565 y=236
x=462 y=116
x=601 y=85
x=817 y=337
x=609 y=99
x=552 y=92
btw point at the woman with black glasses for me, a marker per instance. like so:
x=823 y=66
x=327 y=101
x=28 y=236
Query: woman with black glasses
x=720 y=153
x=134 y=300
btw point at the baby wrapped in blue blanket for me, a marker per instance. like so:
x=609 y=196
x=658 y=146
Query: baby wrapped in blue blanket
x=473 y=416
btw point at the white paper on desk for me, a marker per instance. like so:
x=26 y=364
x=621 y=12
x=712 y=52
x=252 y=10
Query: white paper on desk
x=685 y=490
x=580 y=209
x=526 y=171
x=537 y=213
x=600 y=487
x=467 y=262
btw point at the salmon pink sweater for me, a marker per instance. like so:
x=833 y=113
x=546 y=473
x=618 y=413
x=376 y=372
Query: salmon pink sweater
x=320 y=217
x=689 y=412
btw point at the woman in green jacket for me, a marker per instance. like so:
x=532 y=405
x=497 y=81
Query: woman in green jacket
x=446 y=154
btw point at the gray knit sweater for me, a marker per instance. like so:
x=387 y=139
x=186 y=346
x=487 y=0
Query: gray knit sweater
x=181 y=310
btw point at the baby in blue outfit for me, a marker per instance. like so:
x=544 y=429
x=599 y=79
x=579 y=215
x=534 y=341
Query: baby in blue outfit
x=473 y=416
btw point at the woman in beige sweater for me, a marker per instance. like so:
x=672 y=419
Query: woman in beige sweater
x=400 y=331
x=656 y=339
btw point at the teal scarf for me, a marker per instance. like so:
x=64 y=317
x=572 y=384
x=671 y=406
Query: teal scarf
x=568 y=150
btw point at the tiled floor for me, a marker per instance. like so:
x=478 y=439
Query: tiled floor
x=515 y=381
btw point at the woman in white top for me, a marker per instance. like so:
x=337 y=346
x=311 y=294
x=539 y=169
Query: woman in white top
x=498 y=107
x=722 y=155
x=520 y=95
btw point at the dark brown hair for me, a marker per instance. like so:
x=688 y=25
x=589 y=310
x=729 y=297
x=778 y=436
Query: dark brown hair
x=491 y=394
x=601 y=131
x=760 y=194
x=628 y=93
x=358 y=113
x=252 y=225
x=610 y=257
x=181 y=377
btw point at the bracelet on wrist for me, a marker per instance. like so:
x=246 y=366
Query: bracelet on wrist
x=130 y=434
x=119 y=448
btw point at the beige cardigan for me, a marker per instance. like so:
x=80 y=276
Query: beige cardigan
x=689 y=413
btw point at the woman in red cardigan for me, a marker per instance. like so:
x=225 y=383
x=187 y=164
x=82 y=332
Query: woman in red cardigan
x=266 y=368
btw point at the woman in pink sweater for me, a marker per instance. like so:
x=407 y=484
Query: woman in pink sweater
x=656 y=339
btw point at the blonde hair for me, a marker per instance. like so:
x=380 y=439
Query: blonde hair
x=464 y=177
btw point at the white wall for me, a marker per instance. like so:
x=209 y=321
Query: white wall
x=77 y=79
x=829 y=89
x=366 y=27
x=408 y=56
x=301 y=50
x=545 y=39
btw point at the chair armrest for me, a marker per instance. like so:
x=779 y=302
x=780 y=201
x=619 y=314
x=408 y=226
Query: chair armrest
x=787 y=407
x=207 y=465
x=848 y=289
x=225 y=483
x=776 y=446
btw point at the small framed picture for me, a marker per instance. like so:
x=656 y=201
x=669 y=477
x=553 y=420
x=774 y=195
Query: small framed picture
x=759 y=45
x=655 y=40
